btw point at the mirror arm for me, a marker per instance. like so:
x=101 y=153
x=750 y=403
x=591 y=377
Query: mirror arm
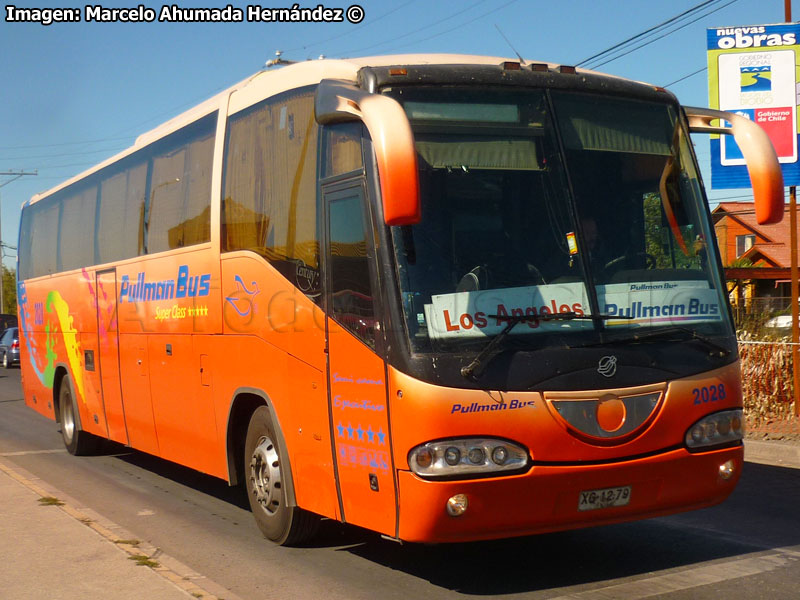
x=766 y=178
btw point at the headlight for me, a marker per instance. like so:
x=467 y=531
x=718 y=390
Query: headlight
x=465 y=457
x=716 y=430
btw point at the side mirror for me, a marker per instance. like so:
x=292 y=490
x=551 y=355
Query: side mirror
x=762 y=162
x=387 y=123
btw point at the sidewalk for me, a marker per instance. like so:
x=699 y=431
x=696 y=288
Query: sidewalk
x=53 y=551
x=777 y=453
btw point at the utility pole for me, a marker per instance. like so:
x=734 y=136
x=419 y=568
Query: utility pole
x=787 y=10
x=14 y=176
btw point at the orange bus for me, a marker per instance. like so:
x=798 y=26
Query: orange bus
x=441 y=297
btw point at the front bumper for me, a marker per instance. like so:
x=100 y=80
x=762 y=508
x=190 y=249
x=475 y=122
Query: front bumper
x=546 y=497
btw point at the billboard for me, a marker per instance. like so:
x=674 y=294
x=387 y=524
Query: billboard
x=752 y=71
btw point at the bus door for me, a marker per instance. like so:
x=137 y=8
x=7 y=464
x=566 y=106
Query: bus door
x=108 y=354
x=359 y=408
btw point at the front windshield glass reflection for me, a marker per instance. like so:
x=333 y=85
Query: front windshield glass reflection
x=614 y=227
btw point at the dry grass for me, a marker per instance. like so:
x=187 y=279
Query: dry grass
x=766 y=380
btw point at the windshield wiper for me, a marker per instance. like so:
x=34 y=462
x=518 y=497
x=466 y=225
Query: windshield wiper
x=475 y=368
x=667 y=334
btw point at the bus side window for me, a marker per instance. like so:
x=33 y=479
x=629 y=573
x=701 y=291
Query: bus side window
x=180 y=190
x=351 y=294
x=341 y=149
x=269 y=202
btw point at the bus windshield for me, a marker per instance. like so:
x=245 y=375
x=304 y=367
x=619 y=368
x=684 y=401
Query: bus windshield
x=579 y=217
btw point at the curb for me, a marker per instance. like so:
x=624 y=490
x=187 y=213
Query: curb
x=779 y=454
x=175 y=572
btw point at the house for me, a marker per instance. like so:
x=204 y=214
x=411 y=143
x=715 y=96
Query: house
x=756 y=258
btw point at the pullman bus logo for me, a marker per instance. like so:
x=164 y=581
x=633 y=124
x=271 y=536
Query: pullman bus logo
x=607 y=367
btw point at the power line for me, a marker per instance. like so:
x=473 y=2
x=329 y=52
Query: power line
x=63 y=144
x=460 y=25
x=647 y=43
x=686 y=77
x=645 y=32
x=354 y=29
x=405 y=35
x=40 y=156
x=661 y=27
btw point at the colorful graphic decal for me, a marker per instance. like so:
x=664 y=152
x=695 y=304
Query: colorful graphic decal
x=56 y=306
x=70 y=336
x=47 y=374
x=110 y=312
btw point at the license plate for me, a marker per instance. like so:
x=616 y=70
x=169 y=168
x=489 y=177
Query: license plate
x=594 y=499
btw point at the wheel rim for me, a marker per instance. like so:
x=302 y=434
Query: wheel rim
x=265 y=476
x=5 y=360
x=67 y=418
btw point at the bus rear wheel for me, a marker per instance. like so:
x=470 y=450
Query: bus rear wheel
x=265 y=476
x=77 y=441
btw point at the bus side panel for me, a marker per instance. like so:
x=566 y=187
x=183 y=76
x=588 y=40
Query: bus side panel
x=360 y=419
x=184 y=417
x=274 y=342
x=257 y=300
x=135 y=378
x=60 y=326
x=297 y=393
x=162 y=301
x=312 y=462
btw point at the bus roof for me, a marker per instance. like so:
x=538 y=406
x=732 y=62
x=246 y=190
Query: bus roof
x=268 y=82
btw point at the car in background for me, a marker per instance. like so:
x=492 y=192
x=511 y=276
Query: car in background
x=9 y=347
x=780 y=325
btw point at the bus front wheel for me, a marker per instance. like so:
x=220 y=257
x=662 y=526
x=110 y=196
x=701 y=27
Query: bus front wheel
x=266 y=471
x=77 y=441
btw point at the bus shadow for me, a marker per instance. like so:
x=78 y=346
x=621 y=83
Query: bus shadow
x=759 y=515
x=178 y=474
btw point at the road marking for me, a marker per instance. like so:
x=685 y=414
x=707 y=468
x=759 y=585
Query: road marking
x=761 y=562
x=28 y=452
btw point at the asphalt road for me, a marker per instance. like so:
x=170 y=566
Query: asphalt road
x=747 y=548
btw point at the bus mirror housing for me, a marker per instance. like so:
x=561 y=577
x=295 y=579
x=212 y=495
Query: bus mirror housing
x=762 y=162
x=392 y=139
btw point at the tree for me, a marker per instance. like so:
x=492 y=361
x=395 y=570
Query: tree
x=9 y=291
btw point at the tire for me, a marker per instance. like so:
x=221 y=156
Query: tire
x=266 y=478
x=77 y=441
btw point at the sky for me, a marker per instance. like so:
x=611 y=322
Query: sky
x=73 y=94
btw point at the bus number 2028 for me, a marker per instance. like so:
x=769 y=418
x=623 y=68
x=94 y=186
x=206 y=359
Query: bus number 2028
x=710 y=393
